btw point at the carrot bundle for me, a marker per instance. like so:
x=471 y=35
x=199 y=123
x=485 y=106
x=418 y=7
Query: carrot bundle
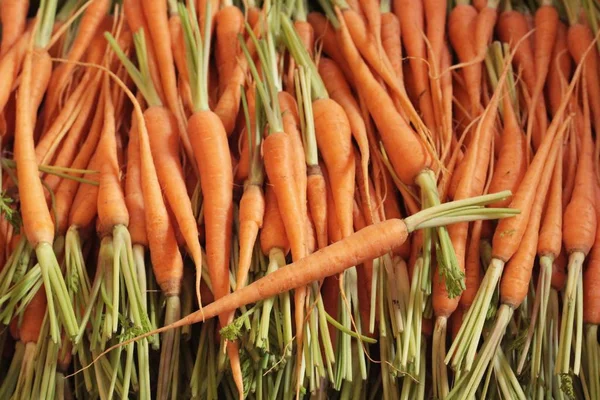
x=262 y=178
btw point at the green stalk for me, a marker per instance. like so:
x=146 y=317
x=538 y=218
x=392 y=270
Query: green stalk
x=12 y=375
x=592 y=352
x=169 y=356
x=572 y=315
x=468 y=383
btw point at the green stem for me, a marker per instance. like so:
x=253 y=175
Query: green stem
x=592 y=352
x=302 y=58
x=46 y=14
x=140 y=77
x=465 y=344
x=12 y=375
x=169 y=356
x=439 y=370
x=467 y=384
x=570 y=315
x=56 y=291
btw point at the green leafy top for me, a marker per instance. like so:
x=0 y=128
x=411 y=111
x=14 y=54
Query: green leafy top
x=140 y=76
x=197 y=53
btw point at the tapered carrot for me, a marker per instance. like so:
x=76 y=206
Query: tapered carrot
x=13 y=15
x=158 y=28
x=369 y=243
x=391 y=42
x=134 y=196
x=560 y=69
x=252 y=203
x=579 y=232
x=208 y=139
x=546 y=24
x=548 y=249
x=511 y=165
x=411 y=16
x=340 y=91
x=37 y=222
x=461 y=21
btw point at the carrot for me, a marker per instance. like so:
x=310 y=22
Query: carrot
x=136 y=21
x=548 y=249
x=158 y=28
x=339 y=90
x=403 y=140
x=252 y=203
x=229 y=23
x=579 y=231
x=90 y=22
x=13 y=16
x=208 y=139
x=511 y=165
x=164 y=143
x=546 y=25
x=579 y=37
x=560 y=69
x=369 y=243
x=461 y=21
x=134 y=199
x=411 y=16
x=71 y=146
x=512 y=26
x=37 y=222
x=390 y=40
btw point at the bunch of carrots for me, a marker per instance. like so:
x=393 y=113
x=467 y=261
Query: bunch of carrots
x=351 y=199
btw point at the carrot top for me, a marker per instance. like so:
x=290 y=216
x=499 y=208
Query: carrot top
x=197 y=47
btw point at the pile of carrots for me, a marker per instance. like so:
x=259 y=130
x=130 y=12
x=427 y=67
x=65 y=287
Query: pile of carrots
x=351 y=199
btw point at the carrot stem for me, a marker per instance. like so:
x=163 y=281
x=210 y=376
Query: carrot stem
x=572 y=313
x=467 y=385
x=13 y=373
x=169 y=355
x=592 y=353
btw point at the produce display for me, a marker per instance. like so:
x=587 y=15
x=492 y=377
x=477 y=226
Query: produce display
x=285 y=199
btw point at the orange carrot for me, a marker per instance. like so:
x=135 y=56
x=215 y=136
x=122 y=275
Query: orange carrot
x=90 y=21
x=229 y=23
x=13 y=16
x=511 y=165
x=339 y=90
x=325 y=36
